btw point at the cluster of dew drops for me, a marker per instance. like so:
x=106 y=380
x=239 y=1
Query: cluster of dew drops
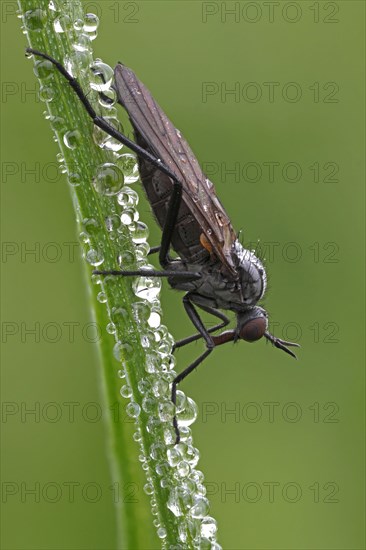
x=174 y=465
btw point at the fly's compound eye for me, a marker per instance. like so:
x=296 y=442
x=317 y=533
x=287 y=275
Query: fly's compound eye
x=254 y=329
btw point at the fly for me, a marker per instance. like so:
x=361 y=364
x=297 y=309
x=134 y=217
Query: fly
x=212 y=266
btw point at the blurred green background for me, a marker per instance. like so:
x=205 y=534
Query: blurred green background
x=281 y=441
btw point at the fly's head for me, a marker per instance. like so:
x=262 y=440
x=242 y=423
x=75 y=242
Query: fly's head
x=252 y=325
x=252 y=320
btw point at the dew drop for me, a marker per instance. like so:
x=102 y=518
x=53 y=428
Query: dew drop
x=160 y=389
x=169 y=435
x=129 y=216
x=90 y=226
x=141 y=312
x=143 y=386
x=143 y=250
x=46 y=93
x=147 y=340
x=194 y=528
x=139 y=232
x=102 y=298
x=181 y=401
x=147 y=288
x=120 y=351
x=127 y=197
x=77 y=61
x=148 y=404
x=43 y=69
x=176 y=501
x=140 y=254
x=83 y=44
x=108 y=179
x=185 y=433
x=161 y=532
x=112 y=222
x=126 y=259
x=63 y=23
x=102 y=76
x=200 y=507
x=173 y=456
x=104 y=140
x=107 y=100
x=118 y=314
x=152 y=362
x=52 y=5
x=126 y=391
x=166 y=411
x=197 y=476
x=205 y=544
x=91 y=22
x=34 y=20
x=166 y=345
x=57 y=123
x=183 y=469
x=111 y=328
x=74 y=179
x=149 y=489
x=208 y=527
x=94 y=257
x=154 y=319
x=129 y=166
x=72 y=139
x=95 y=279
x=133 y=409
x=189 y=414
x=78 y=24
x=137 y=436
x=153 y=424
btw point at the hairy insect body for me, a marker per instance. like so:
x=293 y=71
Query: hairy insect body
x=215 y=289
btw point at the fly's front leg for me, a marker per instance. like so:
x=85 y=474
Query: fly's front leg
x=100 y=121
x=210 y=344
x=212 y=311
x=176 y=195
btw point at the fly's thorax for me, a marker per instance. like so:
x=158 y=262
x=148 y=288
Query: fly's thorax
x=252 y=275
x=213 y=288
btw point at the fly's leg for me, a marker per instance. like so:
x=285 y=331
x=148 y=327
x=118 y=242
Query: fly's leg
x=99 y=121
x=175 y=199
x=178 y=379
x=210 y=344
x=154 y=250
x=191 y=275
x=224 y=322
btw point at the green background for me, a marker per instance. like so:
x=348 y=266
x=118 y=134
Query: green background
x=287 y=479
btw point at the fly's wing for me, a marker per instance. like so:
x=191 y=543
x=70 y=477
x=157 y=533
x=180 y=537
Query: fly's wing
x=167 y=144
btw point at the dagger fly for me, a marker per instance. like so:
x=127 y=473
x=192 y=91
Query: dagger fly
x=212 y=267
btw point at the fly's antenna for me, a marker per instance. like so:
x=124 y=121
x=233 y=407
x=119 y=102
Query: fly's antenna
x=281 y=344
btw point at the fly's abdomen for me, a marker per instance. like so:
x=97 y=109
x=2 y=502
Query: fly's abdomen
x=186 y=240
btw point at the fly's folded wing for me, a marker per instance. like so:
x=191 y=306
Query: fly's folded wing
x=161 y=138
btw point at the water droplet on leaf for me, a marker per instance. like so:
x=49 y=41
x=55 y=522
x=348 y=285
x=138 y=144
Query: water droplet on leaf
x=108 y=179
